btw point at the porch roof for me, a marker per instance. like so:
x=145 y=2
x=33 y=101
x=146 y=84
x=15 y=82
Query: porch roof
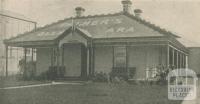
x=117 y=25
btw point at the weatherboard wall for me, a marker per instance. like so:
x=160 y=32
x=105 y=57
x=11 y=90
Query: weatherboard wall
x=103 y=59
x=43 y=60
x=140 y=57
x=145 y=57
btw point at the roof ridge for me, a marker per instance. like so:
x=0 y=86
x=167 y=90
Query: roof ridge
x=151 y=25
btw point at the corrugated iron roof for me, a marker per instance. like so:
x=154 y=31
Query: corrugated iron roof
x=97 y=26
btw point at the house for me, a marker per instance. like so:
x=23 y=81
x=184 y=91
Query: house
x=85 y=45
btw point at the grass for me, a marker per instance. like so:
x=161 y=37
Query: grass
x=92 y=93
x=13 y=82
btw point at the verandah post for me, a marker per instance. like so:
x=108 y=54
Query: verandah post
x=6 y=60
x=88 y=60
x=173 y=59
x=32 y=54
x=167 y=55
x=177 y=66
x=93 y=59
x=25 y=66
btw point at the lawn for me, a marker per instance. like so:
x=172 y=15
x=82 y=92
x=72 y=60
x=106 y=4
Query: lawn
x=14 y=82
x=90 y=93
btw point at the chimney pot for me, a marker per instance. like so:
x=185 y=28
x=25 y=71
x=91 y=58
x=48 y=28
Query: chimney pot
x=79 y=11
x=126 y=6
x=137 y=12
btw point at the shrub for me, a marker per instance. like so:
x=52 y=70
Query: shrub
x=161 y=75
x=27 y=70
x=53 y=73
x=100 y=77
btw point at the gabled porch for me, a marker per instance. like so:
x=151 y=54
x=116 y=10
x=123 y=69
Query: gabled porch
x=67 y=56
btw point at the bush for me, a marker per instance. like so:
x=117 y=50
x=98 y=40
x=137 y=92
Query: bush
x=100 y=77
x=53 y=73
x=119 y=73
x=161 y=75
x=27 y=70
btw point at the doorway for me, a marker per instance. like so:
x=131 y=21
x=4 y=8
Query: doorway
x=75 y=59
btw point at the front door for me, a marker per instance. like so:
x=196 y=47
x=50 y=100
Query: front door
x=75 y=60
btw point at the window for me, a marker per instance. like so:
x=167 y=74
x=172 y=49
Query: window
x=120 y=56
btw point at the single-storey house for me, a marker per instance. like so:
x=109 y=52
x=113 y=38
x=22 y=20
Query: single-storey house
x=85 y=45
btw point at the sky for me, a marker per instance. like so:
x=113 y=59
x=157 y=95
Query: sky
x=179 y=16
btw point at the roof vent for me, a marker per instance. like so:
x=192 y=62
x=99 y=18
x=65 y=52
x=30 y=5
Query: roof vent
x=126 y=6
x=79 y=11
x=137 y=12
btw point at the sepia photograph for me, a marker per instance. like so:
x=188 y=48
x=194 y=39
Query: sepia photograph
x=99 y=51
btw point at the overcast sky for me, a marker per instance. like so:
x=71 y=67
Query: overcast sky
x=179 y=16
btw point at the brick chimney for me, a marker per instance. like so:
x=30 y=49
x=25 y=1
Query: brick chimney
x=79 y=11
x=137 y=12
x=126 y=6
